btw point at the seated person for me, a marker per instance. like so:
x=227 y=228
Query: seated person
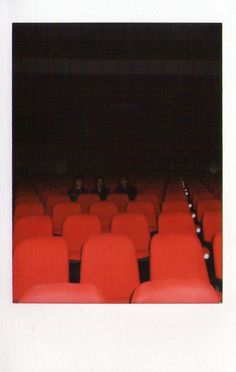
x=124 y=187
x=77 y=189
x=100 y=188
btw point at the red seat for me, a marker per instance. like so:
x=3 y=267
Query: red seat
x=67 y=293
x=53 y=200
x=109 y=262
x=86 y=200
x=208 y=205
x=201 y=196
x=175 y=206
x=211 y=224
x=176 y=256
x=175 y=195
x=135 y=226
x=217 y=254
x=105 y=210
x=152 y=198
x=121 y=201
x=39 y=261
x=146 y=208
x=169 y=291
x=28 y=209
x=176 y=222
x=27 y=199
x=60 y=212
x=31 y=226
x=76 y=230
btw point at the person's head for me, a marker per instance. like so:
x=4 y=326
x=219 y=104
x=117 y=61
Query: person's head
x=123 y=181
x=99 y=183
x=79 y=182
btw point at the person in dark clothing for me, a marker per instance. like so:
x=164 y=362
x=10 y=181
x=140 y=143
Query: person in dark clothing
x=77 y=189
x=124 y=187
x=100 y=188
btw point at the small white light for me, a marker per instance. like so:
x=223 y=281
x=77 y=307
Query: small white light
x=190 y=205
x=206 y=256
x=186 y=193
x=194 y=215
x=198 y=230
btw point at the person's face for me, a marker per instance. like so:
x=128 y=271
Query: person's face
x=99 y=183
x=79 y=183
x=123 y=181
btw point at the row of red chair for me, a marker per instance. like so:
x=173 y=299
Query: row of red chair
x=108 y=261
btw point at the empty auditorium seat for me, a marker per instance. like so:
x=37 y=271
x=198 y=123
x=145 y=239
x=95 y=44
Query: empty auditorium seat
x=176 y=256
x=146 y=208
x=105 y=210
x=27 y=199
x=178 y=195
x=207 y=205
x=121 y=201
x=211 y=224
x=86 y=200
x=217 y=254
x=175 y=206
x=201 y=196
x=31 y=226
x=60 y=212
x=68 y=293
x=28 y=209
x=109 y=262
x=76 y=230
x=152 y=198
x=37 y=261
x=53 y=200
x=176 y=222
x=135 y=226
x=167 y=291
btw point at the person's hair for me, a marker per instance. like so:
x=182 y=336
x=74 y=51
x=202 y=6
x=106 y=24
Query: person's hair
x=99 y=178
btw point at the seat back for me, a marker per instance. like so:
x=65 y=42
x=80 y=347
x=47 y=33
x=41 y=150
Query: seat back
x=201 y=196
x=135 y=226
x=175 y=195
x=31 y=226
x=68 y=293
x=40 y=260
x=211 y=224
x=86 y=200
x=28 y=209
x=54 y=199
x=61 y=211
x=121 y=201
x=176 y=291
x=217 y=254
x=27 y=199
x=146 y=208
x=208 y=205
x=152 y=198
x=77 y=229
x=109 y=262
x=176 y=256
x=176 y=222
x=105 y=210
x=175 y=206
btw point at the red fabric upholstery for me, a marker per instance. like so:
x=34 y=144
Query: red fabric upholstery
x=54 y=199
x=135 y=226
x=201 y=196
x=176 y=291
x=60 y=212
x=76 y=230
x=152 y=198
x=31 y=226
x=39 y=261
x=177 y=195
x=208 y=205
x=146 y=208
x=86 y=200
x=68 y=293
x=27 y=199
x=28 y=209
x=109 y=262
x=105 y=210
x=121 y=201
x=211 y=224
x=176 y=222
x=175 y=206
x=217 y=254
x=176 y=256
